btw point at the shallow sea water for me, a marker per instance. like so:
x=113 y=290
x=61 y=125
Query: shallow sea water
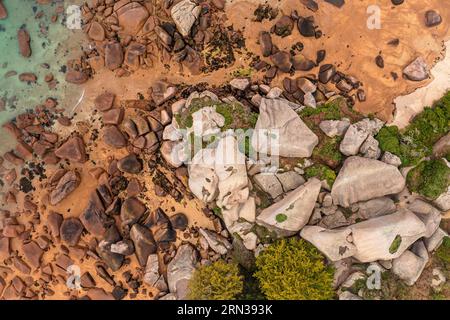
x=53 y=46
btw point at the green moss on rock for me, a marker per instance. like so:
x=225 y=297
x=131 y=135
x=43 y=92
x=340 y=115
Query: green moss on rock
x=430 y=178
x=322 y=172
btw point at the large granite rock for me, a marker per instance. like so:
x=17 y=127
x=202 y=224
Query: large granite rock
x=411 y=263
x=375 y=207
x=362 y=179
x=357 y=133
x=334 y=244
x=280 y=131
x=429 y=215
x=203 y=181
x=386 y=237
x=289 y=215
x=180 y=270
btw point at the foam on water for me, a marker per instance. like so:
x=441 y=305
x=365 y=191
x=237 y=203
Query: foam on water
x=51 y=43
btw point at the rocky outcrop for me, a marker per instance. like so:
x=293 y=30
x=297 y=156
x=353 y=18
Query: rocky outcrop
x=280 y=131
x=289 y=215
x=362 y=179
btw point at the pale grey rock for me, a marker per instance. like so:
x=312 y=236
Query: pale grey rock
x=334 y=220
x=172 y=133
x=203 y=181
x=248 y=210
x=178 y=106
x=290 y=180
x=362 y=179
x=216 y=242
x=184 y=14
x=342 y=269
x=280 y=131
x=207 y=121
x=315 y=217
x=416 y=70
x=169 y=296
x=309 y=100
x=333 y=128
x=370 y=148
x=373 y=238
x=274 y=93
x=269 y=183
x=352 y=278
x=152 y=275
x=180 y=270
x=293 y=212
x=240 y=83
x=438 y=279
x=244 y=231
x=124 y=247
x=210 y=95
x=391 y=159
x=375 y=207
x=357 y=133
x=435 y=241
x=334 y=244
x=256 y=100
x=429 y=215
x=410 y=265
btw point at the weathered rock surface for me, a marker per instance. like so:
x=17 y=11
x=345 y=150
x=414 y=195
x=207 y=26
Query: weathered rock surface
x=429 y=215
x=280 y=131
x=184 y=14
x=71 y=230
x=130 y=164
x=180 y=270
x=334 y=244
x=66 y=185
x=362 y=179
x=411 y=263
x=292 y=213
x=73 y=149
x=132 y=210
x=416 y=70
x=357 y=133
x=443 y=201
x=386 y=237
x=375 y=207
x=215 y=241
x=132 y=17
x=333 y=128
x=143 y=241
x=23 y=37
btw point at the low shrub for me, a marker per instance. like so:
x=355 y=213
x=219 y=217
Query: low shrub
x=218 y=281
x=322 y=172
x=293 y=269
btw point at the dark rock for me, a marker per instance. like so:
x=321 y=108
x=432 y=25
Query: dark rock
x=73 y=149
x=144 y=244
x=76 y=77
x=301 y=63
x=93 y=217
x=321 y=54
x=306 y=27
x=282 y=60
x=160 y=225
x=311 y=5
x=326 y=72
x=54 y=221
x=113 y=55
x=33 y=254
x=130 y=164
x=179 y=221
x=432 y=18
x=113 y=137
x=337 y=3
x=283 y=27
x=113 y=116
x=132 y=210
x=265 y=42
x=113 y=260
x=71 y=230
x=379 y=61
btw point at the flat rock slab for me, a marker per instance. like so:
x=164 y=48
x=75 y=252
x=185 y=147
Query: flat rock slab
x=362 y=179
x=280 y=131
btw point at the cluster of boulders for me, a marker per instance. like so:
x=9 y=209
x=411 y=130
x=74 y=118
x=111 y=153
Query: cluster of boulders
x=128 y=35
x=366 y=216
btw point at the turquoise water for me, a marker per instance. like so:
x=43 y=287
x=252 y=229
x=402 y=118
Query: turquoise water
x=53 y=48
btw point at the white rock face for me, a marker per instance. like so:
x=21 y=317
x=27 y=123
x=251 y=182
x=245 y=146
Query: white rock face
x=184 y=14
x=243 y=229
x=152 y=275
x=207 y=121
x=333 y=128
x=374 y=238
x=280 y=131
x=240 y=83
x=293 y=212
x=334 y=244
x=362 y=179
x=180 y=270
x=173 y=152
x=203 y=181
x=410 y=264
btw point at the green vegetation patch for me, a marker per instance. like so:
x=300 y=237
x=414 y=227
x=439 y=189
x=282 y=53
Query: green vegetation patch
x=327 y=152
x=443 y=253
x=430 y=178
x=417 y=139
x=236 y=115
x=218 y=281
x=281 y=217
x=322 y=172
x=293 y=269
x=395 y=244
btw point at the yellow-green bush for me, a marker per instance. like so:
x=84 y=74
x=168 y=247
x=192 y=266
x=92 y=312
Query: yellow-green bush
x=294 y=270
x=218 y=281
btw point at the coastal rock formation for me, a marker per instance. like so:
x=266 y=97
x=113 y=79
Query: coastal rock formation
x=280 y=131
x=362 y=179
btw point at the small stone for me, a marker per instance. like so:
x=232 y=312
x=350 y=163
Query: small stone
x=71 y=230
